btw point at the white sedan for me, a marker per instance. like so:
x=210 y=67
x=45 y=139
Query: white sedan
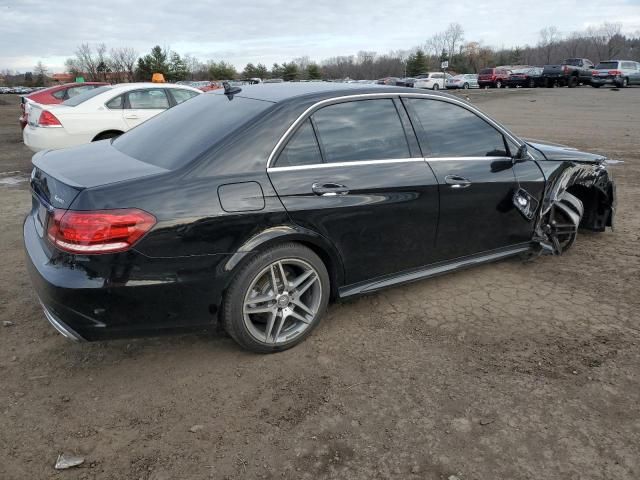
x=432 y=80
x=101 y=113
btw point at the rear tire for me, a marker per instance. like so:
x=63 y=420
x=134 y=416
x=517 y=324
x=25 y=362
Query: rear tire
x=436 y=86
x=465 y=86
x=572 y=82
x=498 y=84
x=625 y=83
x=262 y=308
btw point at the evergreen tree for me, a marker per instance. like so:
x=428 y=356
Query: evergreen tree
x=417 y=63
x=249 y=71
x=277 y=71
x=313 y=72
x=289 y=71
x=222 y=71
x=261 y=71
x=178 y=69
x=154 y=62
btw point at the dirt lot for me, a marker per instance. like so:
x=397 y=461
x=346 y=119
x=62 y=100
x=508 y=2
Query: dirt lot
x=505 y=371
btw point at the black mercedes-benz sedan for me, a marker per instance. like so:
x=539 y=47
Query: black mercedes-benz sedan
x=257 y=206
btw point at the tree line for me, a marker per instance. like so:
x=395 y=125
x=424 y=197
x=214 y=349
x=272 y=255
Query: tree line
x=124 y=64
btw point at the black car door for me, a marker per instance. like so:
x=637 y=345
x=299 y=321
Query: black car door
x=474 y=169
x=353 y=172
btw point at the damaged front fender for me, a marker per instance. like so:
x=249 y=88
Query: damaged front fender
x=579 y=192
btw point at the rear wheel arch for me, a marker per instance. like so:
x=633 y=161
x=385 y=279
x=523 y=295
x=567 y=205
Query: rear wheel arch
x=107 y=134
x=275 y=236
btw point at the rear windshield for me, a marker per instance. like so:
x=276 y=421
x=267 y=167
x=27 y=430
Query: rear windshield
x=84 y=96
x=178 y=136
x=486 y=71
x=607 y=65
x=573 y=61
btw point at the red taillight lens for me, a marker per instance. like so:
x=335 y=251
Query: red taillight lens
x=48 y=119
x=99 y=231
x=565 y=69
x=615 y=73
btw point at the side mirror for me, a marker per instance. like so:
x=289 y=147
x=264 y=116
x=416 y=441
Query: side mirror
x=522 y=154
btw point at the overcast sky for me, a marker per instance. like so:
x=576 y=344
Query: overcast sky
x=271 y=31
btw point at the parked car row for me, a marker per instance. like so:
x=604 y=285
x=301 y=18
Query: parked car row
x=19 y=90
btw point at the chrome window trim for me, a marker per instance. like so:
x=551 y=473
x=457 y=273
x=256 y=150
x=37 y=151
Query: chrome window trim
x=364 y=96
x=355 y=163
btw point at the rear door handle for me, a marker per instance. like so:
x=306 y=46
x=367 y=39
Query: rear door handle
x=131 y=116
x=456 y=181
x=329 y=189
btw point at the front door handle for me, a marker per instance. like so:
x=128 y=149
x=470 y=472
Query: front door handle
x=329 y=189
x=456 y=181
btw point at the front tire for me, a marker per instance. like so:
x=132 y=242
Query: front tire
x=277 y=299
x=465 y=86
x=436 y=86
x=498 y=84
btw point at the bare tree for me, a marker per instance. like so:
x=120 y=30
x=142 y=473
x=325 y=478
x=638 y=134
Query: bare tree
x=122 y=62
x=453 y=36
x=549 y=37
x=40 y=71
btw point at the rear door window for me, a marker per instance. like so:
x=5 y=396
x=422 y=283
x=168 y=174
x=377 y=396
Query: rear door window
x=449 y=130
x=302 y=149
x=361 y=130
x=151 y=99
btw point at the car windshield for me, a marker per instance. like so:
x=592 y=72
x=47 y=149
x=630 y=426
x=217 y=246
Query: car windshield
x=84 y=96
x=199 y=123
x=573 y=61
x=607 y=65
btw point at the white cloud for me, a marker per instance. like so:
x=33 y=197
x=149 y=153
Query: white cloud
x=277 y=30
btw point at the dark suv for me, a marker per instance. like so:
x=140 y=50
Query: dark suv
x=493 y=77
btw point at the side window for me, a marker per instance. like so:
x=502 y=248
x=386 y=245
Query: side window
x=302 y=148
x=450 y=130
x=361 y=130
x=116 y=103
x=59 y=94
x=628 y=65
x=180 y=95
x=148 y=99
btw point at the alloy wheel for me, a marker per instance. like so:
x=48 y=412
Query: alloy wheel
x=282 y=301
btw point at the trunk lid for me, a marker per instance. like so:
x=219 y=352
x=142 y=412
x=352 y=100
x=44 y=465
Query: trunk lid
x=92 y=165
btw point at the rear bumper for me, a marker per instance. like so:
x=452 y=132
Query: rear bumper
x=606 y=81
x=100 y=297
x=64 y=329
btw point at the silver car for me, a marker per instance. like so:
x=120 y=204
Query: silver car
x=465 y=81
x=620 y=73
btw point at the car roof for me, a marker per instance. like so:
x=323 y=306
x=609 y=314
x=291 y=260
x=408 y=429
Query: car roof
x=278 y=92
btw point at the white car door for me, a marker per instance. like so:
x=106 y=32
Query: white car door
x=143 y=104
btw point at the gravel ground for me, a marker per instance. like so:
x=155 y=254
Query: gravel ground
x=504 y=371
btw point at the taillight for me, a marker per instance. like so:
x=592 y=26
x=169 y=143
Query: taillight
x=615 y=73
x=98 y=231
x=595 y=73
x=48 y=119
